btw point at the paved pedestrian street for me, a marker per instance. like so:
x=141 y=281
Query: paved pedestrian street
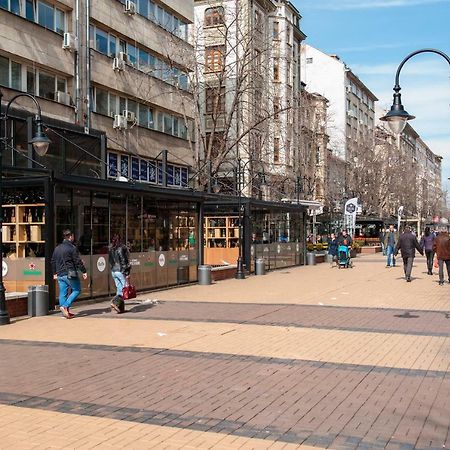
x=306 y=357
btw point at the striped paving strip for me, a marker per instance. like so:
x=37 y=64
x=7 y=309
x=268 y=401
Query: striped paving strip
x=421 y=323
x=148 y=351
x=24 y=428
x=342 y=347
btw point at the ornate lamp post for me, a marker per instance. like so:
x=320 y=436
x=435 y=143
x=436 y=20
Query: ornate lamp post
x=40 y=144
x=397 y=116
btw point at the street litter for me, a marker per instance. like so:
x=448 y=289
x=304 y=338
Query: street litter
x=161 y=334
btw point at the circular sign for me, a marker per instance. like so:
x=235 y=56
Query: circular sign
x=162 y=260
x=4 y=269
x=350 y=208
x=101 y=264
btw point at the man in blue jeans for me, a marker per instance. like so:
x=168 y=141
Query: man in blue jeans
x=390 y=241
x=66 y=263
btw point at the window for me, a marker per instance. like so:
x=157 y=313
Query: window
x=101 y=102
x=276 y=107
x=288 y=152
x=10 y=73
x=214 y=17
x=47 y=85
x=214 y=58
x=276 y=30
x=215 y=100
x=216 y=142
x=288 y=34
x=101 y=41
x=276 y=69
x=259 y=26
x=37 y=11
x=309 y=60
x=4 y=71
x=258 y=61
x=288 y=72
x=276 y=150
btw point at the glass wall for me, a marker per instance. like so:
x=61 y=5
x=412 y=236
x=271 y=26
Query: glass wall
x=161 y=236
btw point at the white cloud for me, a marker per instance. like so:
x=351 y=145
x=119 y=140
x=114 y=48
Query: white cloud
x=366 y=4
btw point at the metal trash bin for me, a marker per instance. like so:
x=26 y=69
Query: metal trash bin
x=182 y=274
x=260 y=267
x=204 y=275
x=38 y=300
x=311 y=259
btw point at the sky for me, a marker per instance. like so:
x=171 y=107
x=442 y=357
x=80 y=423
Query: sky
x=373 y=36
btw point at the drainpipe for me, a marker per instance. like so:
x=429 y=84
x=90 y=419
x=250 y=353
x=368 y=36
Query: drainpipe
x=77 y=63
x=88 y=67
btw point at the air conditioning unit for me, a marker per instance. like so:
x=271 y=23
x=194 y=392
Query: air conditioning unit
x=130 y=7
x=120 y=122
x=129 y=116
x=70 y=42
x=118 y=64
x=63 y=97
x=123 y=57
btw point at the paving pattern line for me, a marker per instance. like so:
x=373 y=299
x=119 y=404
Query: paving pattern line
x=336 y=346
x=26 y=428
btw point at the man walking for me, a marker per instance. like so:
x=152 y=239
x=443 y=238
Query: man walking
x=441 y=246
x=66 y=263
x=408 y=244
x=390 y=241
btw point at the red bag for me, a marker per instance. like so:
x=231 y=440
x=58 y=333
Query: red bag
x=128 y=291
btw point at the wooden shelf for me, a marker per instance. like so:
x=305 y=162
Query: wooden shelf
x=221 y=236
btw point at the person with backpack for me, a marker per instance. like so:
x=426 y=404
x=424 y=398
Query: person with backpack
x=120 y=271
x=441 y=246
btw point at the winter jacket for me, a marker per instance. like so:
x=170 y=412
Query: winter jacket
x=427 y=242
x=333 y=247
x=442 y=245
x=345 y=240
x=118 y=260
x=408 y=244
x=390 y=238
x=66 y=257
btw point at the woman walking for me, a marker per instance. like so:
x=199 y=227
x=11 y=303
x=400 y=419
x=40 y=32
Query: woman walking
x=120 y=271
x=333 y=248
x=426 y=243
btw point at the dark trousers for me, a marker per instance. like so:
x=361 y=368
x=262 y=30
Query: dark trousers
x=407 y=266
x=430 y=256
x=441 y=269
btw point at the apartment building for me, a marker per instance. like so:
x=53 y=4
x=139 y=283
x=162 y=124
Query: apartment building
x=409 y=175
x=111 y=78
x=119 y=67
x=351 y=108
x=285 y=156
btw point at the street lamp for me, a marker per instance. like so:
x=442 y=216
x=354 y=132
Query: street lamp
x=240 y=274
x=397 y=116
x=40 y=144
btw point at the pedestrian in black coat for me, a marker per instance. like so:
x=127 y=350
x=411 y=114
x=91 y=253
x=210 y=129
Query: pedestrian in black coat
x=408 y=244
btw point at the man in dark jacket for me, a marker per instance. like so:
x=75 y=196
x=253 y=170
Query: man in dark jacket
x=66 y=263
x=408 y=244
x=441 y=246
x=390 y=240
x=120 y=271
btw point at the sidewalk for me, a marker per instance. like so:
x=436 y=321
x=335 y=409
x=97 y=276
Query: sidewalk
x=307 y=357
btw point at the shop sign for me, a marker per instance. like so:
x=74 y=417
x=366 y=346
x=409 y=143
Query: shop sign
x=266 y=249
x=4 y=268
x=184 y=258
x=32 y=272
x=135 y=262
x=278 y=248
x=162 y=260
x=149 y=264
x=101 y=264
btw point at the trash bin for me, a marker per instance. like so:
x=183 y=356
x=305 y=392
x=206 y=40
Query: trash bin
x=204 y=275
x=38 y=300
x=260 y=267
x=311 y=259
x=182 y=274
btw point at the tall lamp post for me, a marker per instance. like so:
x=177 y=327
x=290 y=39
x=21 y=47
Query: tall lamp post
x=397 y=116
x=240 y=274
x=40 y=144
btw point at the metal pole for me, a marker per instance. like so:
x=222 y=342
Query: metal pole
x=4 y=316
x=240 y=275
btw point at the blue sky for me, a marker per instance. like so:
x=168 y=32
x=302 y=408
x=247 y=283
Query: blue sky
x=373 y=36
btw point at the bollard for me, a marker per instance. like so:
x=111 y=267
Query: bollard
x=311 y=259
x=204 y=275
x=38 y=300
x=260 y=267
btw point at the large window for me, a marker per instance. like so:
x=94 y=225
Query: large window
x=110 y=104
x=214 y=58
x=214 y=17
x=139 y=58
x=10 y=73
x=215 y=100
x=44 y=84
x=147 y=171
x=43 y=13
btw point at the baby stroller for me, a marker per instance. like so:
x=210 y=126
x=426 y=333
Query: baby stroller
x=344 y=257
